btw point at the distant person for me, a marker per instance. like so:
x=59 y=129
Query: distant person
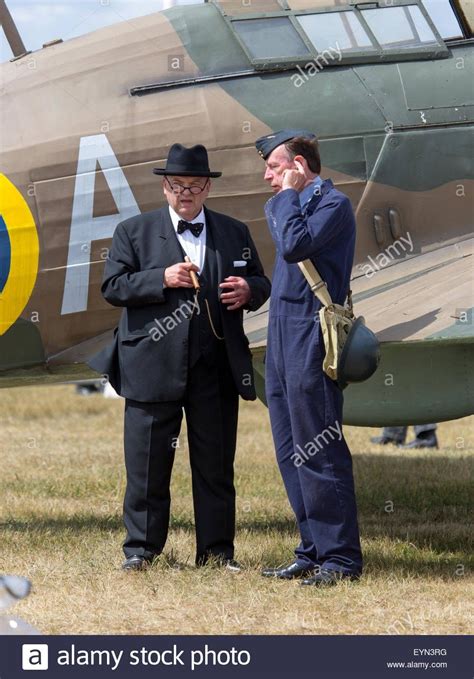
x=309 y=218
x=89 y=388
x=425 y=436
x=177 y=350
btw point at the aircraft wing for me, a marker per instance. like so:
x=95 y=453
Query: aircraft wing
x=418 y=309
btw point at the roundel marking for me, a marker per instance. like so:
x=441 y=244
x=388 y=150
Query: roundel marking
x=19 y=253
x=5 y=254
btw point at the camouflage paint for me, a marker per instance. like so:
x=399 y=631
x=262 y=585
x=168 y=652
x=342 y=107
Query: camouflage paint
x=389 y=138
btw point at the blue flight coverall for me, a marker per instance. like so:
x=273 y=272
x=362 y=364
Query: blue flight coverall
x=305 y=405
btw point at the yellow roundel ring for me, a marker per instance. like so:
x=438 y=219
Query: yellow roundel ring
x=19 y=253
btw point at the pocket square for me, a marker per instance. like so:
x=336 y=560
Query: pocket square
x=240 y=262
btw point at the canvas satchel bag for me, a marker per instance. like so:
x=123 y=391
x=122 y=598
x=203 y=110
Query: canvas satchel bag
x=336 y=320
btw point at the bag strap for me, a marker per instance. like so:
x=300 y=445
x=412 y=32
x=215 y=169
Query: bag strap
x=319 y=287
x=316 y=283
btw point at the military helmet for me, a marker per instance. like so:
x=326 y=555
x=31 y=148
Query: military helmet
x=360 y=355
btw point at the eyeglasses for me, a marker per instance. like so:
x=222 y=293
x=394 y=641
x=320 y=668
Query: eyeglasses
x=179 y=188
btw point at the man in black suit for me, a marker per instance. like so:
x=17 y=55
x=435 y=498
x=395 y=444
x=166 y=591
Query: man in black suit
x=178 y=348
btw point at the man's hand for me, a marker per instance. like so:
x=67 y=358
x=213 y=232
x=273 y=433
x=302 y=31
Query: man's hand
x=239 y=294
x=294 y=179
x=177 y=276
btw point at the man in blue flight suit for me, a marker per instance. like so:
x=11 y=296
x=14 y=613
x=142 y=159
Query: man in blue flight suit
x=309 y=218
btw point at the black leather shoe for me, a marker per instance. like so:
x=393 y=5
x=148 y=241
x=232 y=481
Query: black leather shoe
x=232 y=565
x=384 y=440
x=328 y=578
x=423 y=442
x=219 y=561
x=136 y=562
x=294 y=570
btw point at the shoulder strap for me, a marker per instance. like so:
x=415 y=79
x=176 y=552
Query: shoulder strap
x=316 y=283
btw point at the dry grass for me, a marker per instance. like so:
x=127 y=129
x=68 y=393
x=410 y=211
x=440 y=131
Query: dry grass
x=60 y=514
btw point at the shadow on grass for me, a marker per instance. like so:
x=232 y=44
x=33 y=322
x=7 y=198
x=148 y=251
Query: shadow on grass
x=402 y=553
x=91 y=522
x=420 y=482
x=418 y=506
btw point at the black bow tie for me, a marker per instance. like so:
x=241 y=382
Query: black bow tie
x=194 y=228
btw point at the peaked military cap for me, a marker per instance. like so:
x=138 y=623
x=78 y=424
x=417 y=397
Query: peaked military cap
x=265 y=145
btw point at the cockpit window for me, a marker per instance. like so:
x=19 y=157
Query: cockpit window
x=340 y=30
x=399 y=27
x=270 y=38
x=362 y=33
x=443 y=17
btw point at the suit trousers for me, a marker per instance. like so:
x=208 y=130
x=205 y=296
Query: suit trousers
x=210 y=404
x=399 y=434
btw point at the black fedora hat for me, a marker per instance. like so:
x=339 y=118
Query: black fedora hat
x=184 y=162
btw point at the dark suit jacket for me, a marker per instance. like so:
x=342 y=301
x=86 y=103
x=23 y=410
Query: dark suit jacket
x=140 y=365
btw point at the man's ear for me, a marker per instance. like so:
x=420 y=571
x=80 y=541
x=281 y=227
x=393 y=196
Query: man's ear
x=302 y=160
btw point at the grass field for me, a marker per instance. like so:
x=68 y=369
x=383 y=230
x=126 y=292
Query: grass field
x=62 y=484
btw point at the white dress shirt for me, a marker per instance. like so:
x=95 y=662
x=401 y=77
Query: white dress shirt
x=194 y=247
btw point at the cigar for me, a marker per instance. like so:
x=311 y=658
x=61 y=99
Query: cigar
x=194 y=278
